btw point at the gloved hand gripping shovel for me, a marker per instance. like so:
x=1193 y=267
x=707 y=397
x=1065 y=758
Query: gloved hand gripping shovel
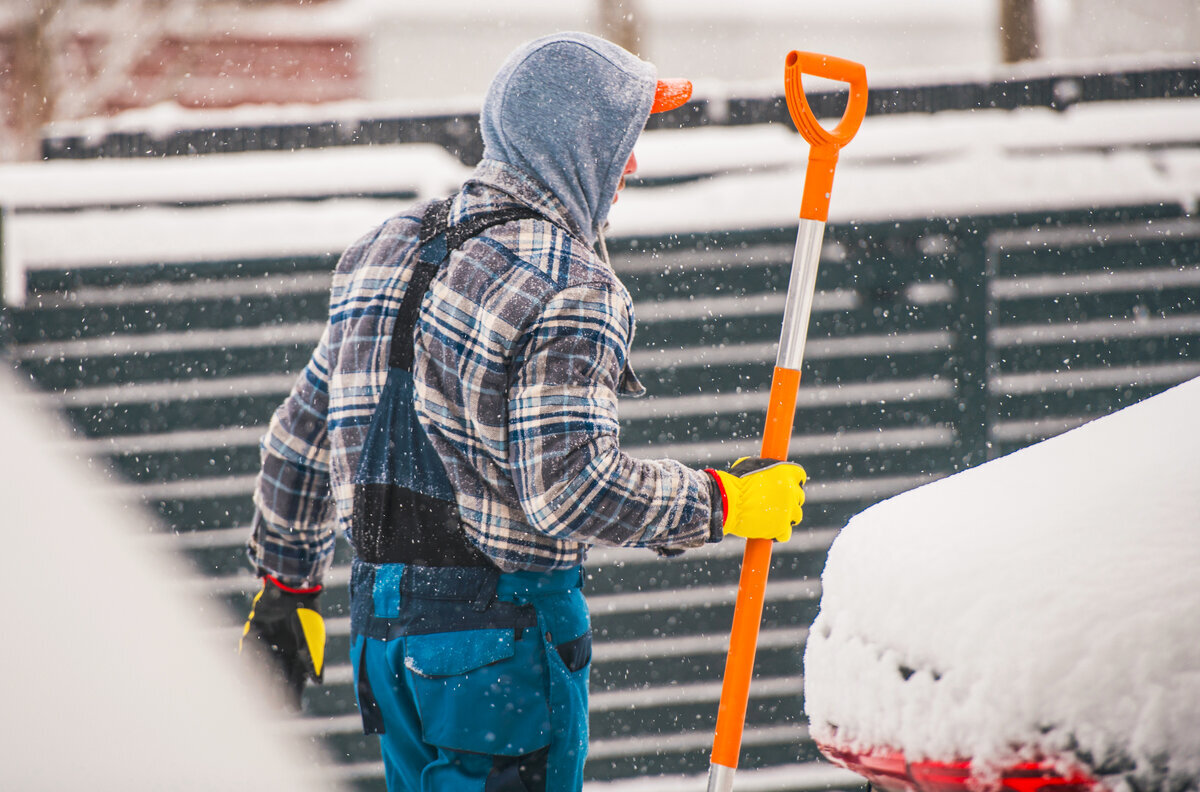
x=814 y=210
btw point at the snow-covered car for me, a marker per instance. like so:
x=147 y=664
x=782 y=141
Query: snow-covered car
x=1029 y=624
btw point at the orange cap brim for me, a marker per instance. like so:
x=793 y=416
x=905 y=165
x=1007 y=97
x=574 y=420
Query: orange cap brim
x=669 y=94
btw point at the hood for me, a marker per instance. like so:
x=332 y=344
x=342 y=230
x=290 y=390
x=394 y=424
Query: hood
x=567 y=109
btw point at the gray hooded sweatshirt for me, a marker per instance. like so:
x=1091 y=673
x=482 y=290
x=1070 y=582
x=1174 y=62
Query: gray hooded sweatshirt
x=567 y=110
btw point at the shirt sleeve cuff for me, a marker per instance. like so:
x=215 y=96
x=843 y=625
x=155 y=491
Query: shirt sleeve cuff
x=716 y=500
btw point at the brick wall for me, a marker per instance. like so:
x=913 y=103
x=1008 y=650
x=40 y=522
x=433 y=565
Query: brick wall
x=217 y=68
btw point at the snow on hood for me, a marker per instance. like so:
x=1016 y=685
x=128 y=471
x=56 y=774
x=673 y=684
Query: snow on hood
x=1048 y=599
x=567 y=109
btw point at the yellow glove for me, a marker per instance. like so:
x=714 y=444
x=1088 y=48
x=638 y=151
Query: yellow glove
x=762 y=498
x=286 y=631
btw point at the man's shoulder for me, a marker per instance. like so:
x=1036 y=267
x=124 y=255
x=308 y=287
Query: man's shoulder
x=561 y=259
x=384 y=242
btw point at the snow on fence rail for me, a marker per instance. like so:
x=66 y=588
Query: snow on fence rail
x=981 y=163
x=1057 y=87
x=60 y=213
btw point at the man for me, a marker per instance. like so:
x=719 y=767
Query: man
x=459 y=420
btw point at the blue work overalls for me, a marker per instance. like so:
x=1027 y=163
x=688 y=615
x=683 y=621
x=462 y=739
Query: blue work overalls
x=474 y=679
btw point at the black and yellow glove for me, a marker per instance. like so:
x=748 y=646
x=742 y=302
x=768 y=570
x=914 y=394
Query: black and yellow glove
x=286 y=630
x=762 y=498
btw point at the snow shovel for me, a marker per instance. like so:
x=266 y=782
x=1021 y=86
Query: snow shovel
x=814 y=210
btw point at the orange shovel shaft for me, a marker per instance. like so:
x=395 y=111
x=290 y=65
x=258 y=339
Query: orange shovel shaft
x=756 y=560
x=818 y=184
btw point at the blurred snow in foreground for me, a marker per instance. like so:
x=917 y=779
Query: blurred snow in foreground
x=1043 y=602
x=111 y=680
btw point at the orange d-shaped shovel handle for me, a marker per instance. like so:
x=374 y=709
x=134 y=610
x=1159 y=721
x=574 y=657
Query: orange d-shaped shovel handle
x=818 y=183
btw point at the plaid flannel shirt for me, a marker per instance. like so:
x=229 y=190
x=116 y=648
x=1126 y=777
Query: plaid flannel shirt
x=520 y=352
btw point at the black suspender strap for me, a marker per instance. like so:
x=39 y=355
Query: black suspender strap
x=404 y=505
x=438 y=240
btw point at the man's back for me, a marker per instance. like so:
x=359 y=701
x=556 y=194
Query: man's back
x=520 y=351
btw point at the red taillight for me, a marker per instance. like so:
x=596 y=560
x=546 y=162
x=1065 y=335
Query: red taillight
x=940 y=776
x=1035 y=777
x=891 y=772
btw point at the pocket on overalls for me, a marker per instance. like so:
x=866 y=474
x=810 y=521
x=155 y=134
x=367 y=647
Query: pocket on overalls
x=364 y=694
x=481 y=691
x=576 y=654
x=568 y=627
x=563 y=616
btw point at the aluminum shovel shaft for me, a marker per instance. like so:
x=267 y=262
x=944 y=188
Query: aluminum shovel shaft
x=781 y=411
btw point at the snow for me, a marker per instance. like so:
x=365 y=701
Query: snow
x=165 y=118
x=277 y=223
x=1042 y=603
x=1099 y=627
x=946 y=165
x=949 y=164
x=416 y=167
x=111 y=679
x=158 y=235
